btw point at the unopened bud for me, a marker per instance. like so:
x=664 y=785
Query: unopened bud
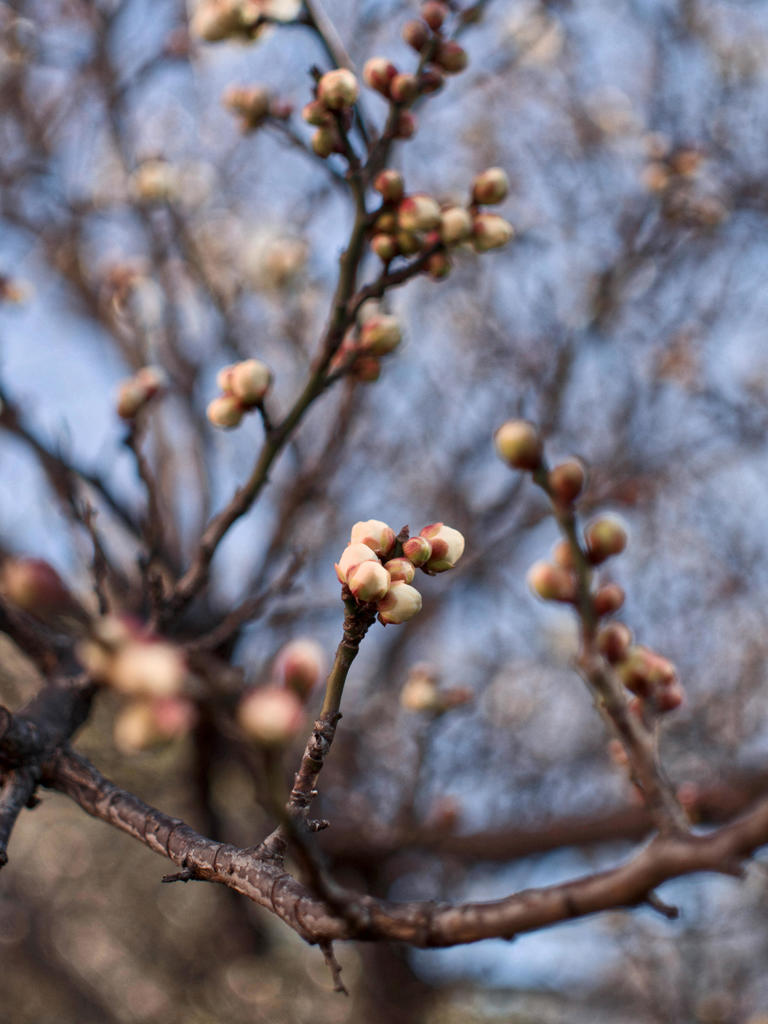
x=401 y=570
x=405 y=126
x=455 y=225
x=251 y=102
x=490 y=231
x=418 y=212
x=447 y=547
x=408 y=242
x=669 y=698
x=147 y=668
x=563 y=555
x=271 y=715
x=420 y=693
x=224 y=411
x=431 y=80
x=608 y=599
x=389 y=184
x=404 y=88
x=644 y=670
x=551 y=583
x=451 y=57
x=316 y=114
x=375 y=534
x=519 y=444
x=352 y=555
x=614 y=642
x=490 y=187
x=224 y=378
x=417 y=550
x=131 y=398
x=324 y=141
x=366 y=369
x=300 y=665
x=401 y=603
x=368 y=581
x=34 y=586
x=566 y=481
x=605 y=537
x=378 y=73
x=250 y=381
x=338 y=89
x=214 y=20
x=380 y=335
x=434 y=13
x=416 y=35
x=385 y=247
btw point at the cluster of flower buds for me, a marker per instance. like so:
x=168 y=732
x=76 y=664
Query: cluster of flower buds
x=651 y=677
x=556 y=580
x=254 y=105
x=124 y=655
x=243 y=387
x=336 y=94
x=421 y=693
x=153 y=721
x=377 y=335
x=427 y=38
x=409 y=224
x=135 y=392
x=378 y=568
x=215 y=20
x=34 y=586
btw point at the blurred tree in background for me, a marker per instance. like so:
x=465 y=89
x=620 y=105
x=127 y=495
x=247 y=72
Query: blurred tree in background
x=164 y=204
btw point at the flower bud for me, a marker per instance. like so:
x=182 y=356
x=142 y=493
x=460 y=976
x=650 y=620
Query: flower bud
x=145 y=723
x=434 y=13
x=224 y=411
x=389 y=184
x=401 y=570
x=431 y=80
x=147 y=668
x=214 y=20
x=614 y=641
x=447 y=547
x=455 y=225
x=251 y=102
x=401 y=603
x=566 y=481
x=519 y=444
x=669 y=698
x=316 y=114
x=380 y=335
x=250 y=381
x=386 y=223
x=367 y=369
x=368 y=581
x=338 y=89
x=417 y=550
x=385 y=247
x=420 y=693
x=404 y=89
x=605 y=537
x=378 y=72
x=643 y=671
x=490 y=231
x=324 y=141
x=451 y=57
x=490 y=187
x=224 y=378
x=153 y=379
x=562 y=555
x=405 y=126
x=408 y=243
x=375 y=534
x=608 y=599
x=352 y=555
x=418 y=212
x=416 y=35
x=551 y=583
x=271 y=715
x=300 y=665
x=34 y=586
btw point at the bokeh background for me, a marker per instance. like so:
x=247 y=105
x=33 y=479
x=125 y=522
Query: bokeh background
x=139 y=225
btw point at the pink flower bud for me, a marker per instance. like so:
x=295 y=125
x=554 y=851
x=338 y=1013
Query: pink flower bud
x=490 y=231
x=338 y=89
x=401 y=570
x=614 y=642
x=271 y=715
x=451 y=57
x=385 y=247
x=378 y=72
x=490 y=187
x=562 y=555
x=367 y=369
x=405 y=126
x=224 y=411
x=418 y=212
x=455 y=225
x=316 y=114
x=447 y=547
x=251 y=102
x=669 y=698
x=250 y=381
x=519 y=444
x=416 y=35
x=352 y=555
x=605 y=537
x=643 y=671
x=608 y=599
x=147 y=668
x=380 y=335
x=375 y=534
x=34 y=586
x=417 y=550
x=434 y=14
x=404 y=89
x=389 y=184
x=300 y=665
x=324 y=141
x=146 y=723
x=420 y=693
x=153 y=379
x=551 y=583
x=566 y=481
x=224 y=378
x=401 y=603
x=431 y=80
x=368 y=581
